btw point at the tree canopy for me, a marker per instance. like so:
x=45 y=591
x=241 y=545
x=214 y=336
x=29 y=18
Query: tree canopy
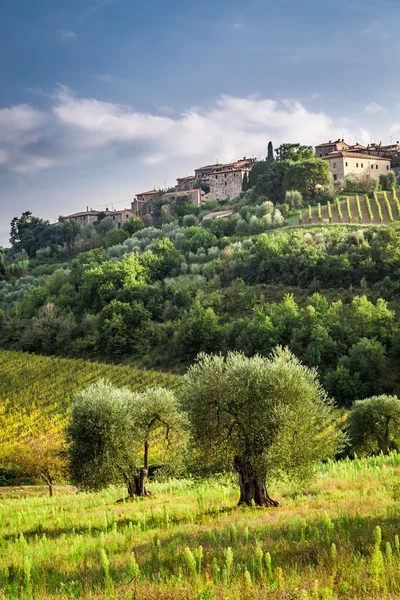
x=112 y=431
x=374 y=423
x=268 y=418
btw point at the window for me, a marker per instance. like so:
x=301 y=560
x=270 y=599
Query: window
x=356 y=165
x=387 y=168
x=216 y=177
x=225 y=175
x=226 y=183
x=372 y=166
x=347 y=164
x=376 y=167
x=334 y=165
x=362 y=165
x=335 y=177
x=320 y=154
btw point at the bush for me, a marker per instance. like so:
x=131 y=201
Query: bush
x=387 y=180
x=116 y=236
x=294 y=199
x=190 y=221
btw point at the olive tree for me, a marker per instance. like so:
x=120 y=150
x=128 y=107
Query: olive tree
x=111 y=432
x=374 y=423
x=268 y=418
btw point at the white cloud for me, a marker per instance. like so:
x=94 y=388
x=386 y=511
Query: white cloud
x=373 y=108
x=67 y=35
x=74 y=129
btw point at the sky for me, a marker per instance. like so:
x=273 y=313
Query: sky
x=100 y=100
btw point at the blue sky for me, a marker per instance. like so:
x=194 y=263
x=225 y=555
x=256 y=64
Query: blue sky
x=100 y=100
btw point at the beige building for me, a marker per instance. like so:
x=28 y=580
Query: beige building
x=324 y=149
x=91 y=216
x=83 y=218
x=364 y=166
x=194 y=196
x=226 y=185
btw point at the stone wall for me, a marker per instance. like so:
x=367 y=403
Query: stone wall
x=226 y=185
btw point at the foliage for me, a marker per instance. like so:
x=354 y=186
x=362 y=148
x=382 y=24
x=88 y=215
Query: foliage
x=374 y=424
x=294 y=199
x=132 y=225
x=387 y=180
x=306 y=176
x=255 y=414
x=294 y=152
x=112 y=432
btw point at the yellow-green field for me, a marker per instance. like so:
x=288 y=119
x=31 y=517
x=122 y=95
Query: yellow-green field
x=337 y=539
x=35 y=391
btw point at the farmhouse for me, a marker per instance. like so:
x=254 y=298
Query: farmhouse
x=91 y=216
x=365 y=166
x=226 y=185
x=324 y=149
x=140 y=205
x=194 y=196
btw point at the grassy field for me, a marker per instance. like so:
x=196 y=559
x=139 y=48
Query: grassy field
x=35 y=391
x=382 y=208
x=337 y=539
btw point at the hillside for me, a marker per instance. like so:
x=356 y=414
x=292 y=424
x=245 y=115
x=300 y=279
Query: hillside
x=381 y=209
x=35 y=391
x=336 y=539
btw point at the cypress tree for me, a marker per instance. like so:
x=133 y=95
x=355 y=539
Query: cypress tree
x=270 y=155
x=245 y=184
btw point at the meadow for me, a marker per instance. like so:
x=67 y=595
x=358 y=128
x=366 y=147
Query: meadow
x=338 y=538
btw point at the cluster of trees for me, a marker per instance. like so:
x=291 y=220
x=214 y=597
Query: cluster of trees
x=294 y=168
x=164 y=295
x=265 y=419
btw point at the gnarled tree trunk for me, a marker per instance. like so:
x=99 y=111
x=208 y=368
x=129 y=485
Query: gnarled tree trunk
x=252 y=489
x=137 y=487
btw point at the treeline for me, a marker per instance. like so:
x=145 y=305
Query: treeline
x=167 y=294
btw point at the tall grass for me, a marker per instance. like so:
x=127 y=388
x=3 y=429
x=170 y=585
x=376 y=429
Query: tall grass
x=337 y=538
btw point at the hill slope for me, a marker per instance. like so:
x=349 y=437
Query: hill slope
x=382 y=209
x=35 y=391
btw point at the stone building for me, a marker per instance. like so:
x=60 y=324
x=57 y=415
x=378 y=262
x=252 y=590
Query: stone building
x=365 y=166
x=194 y=196
x=83 y=218
x=207 y=173
x=140 y=205
x=185 y=183
x=324 y=149
x=91 y=216
x=226 y=185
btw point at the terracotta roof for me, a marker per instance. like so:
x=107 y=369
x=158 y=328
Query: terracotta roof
x=332 y=143
x=187 y=177
x=346 y=153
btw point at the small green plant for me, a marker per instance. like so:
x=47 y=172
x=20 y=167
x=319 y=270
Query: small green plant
x=349 y=209
x=377 y=562
x=319 y=211
x=310 y=214
x=378 y=207
x=396 y=201
x=359 y=213
x=339 y=209
x=388 y=207
x=369 y=209
x=329 y=210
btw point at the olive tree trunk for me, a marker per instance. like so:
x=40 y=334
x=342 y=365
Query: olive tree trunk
x=137 y=486
x=252 y=489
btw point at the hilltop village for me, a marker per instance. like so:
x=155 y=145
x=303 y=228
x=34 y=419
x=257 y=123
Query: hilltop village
x=224 y=181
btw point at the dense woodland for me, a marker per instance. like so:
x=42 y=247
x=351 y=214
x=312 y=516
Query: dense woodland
x=155 y=293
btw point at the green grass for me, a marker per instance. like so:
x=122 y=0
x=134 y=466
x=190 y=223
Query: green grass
x=336 y=539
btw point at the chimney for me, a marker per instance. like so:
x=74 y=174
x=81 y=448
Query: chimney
x=87 y=209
